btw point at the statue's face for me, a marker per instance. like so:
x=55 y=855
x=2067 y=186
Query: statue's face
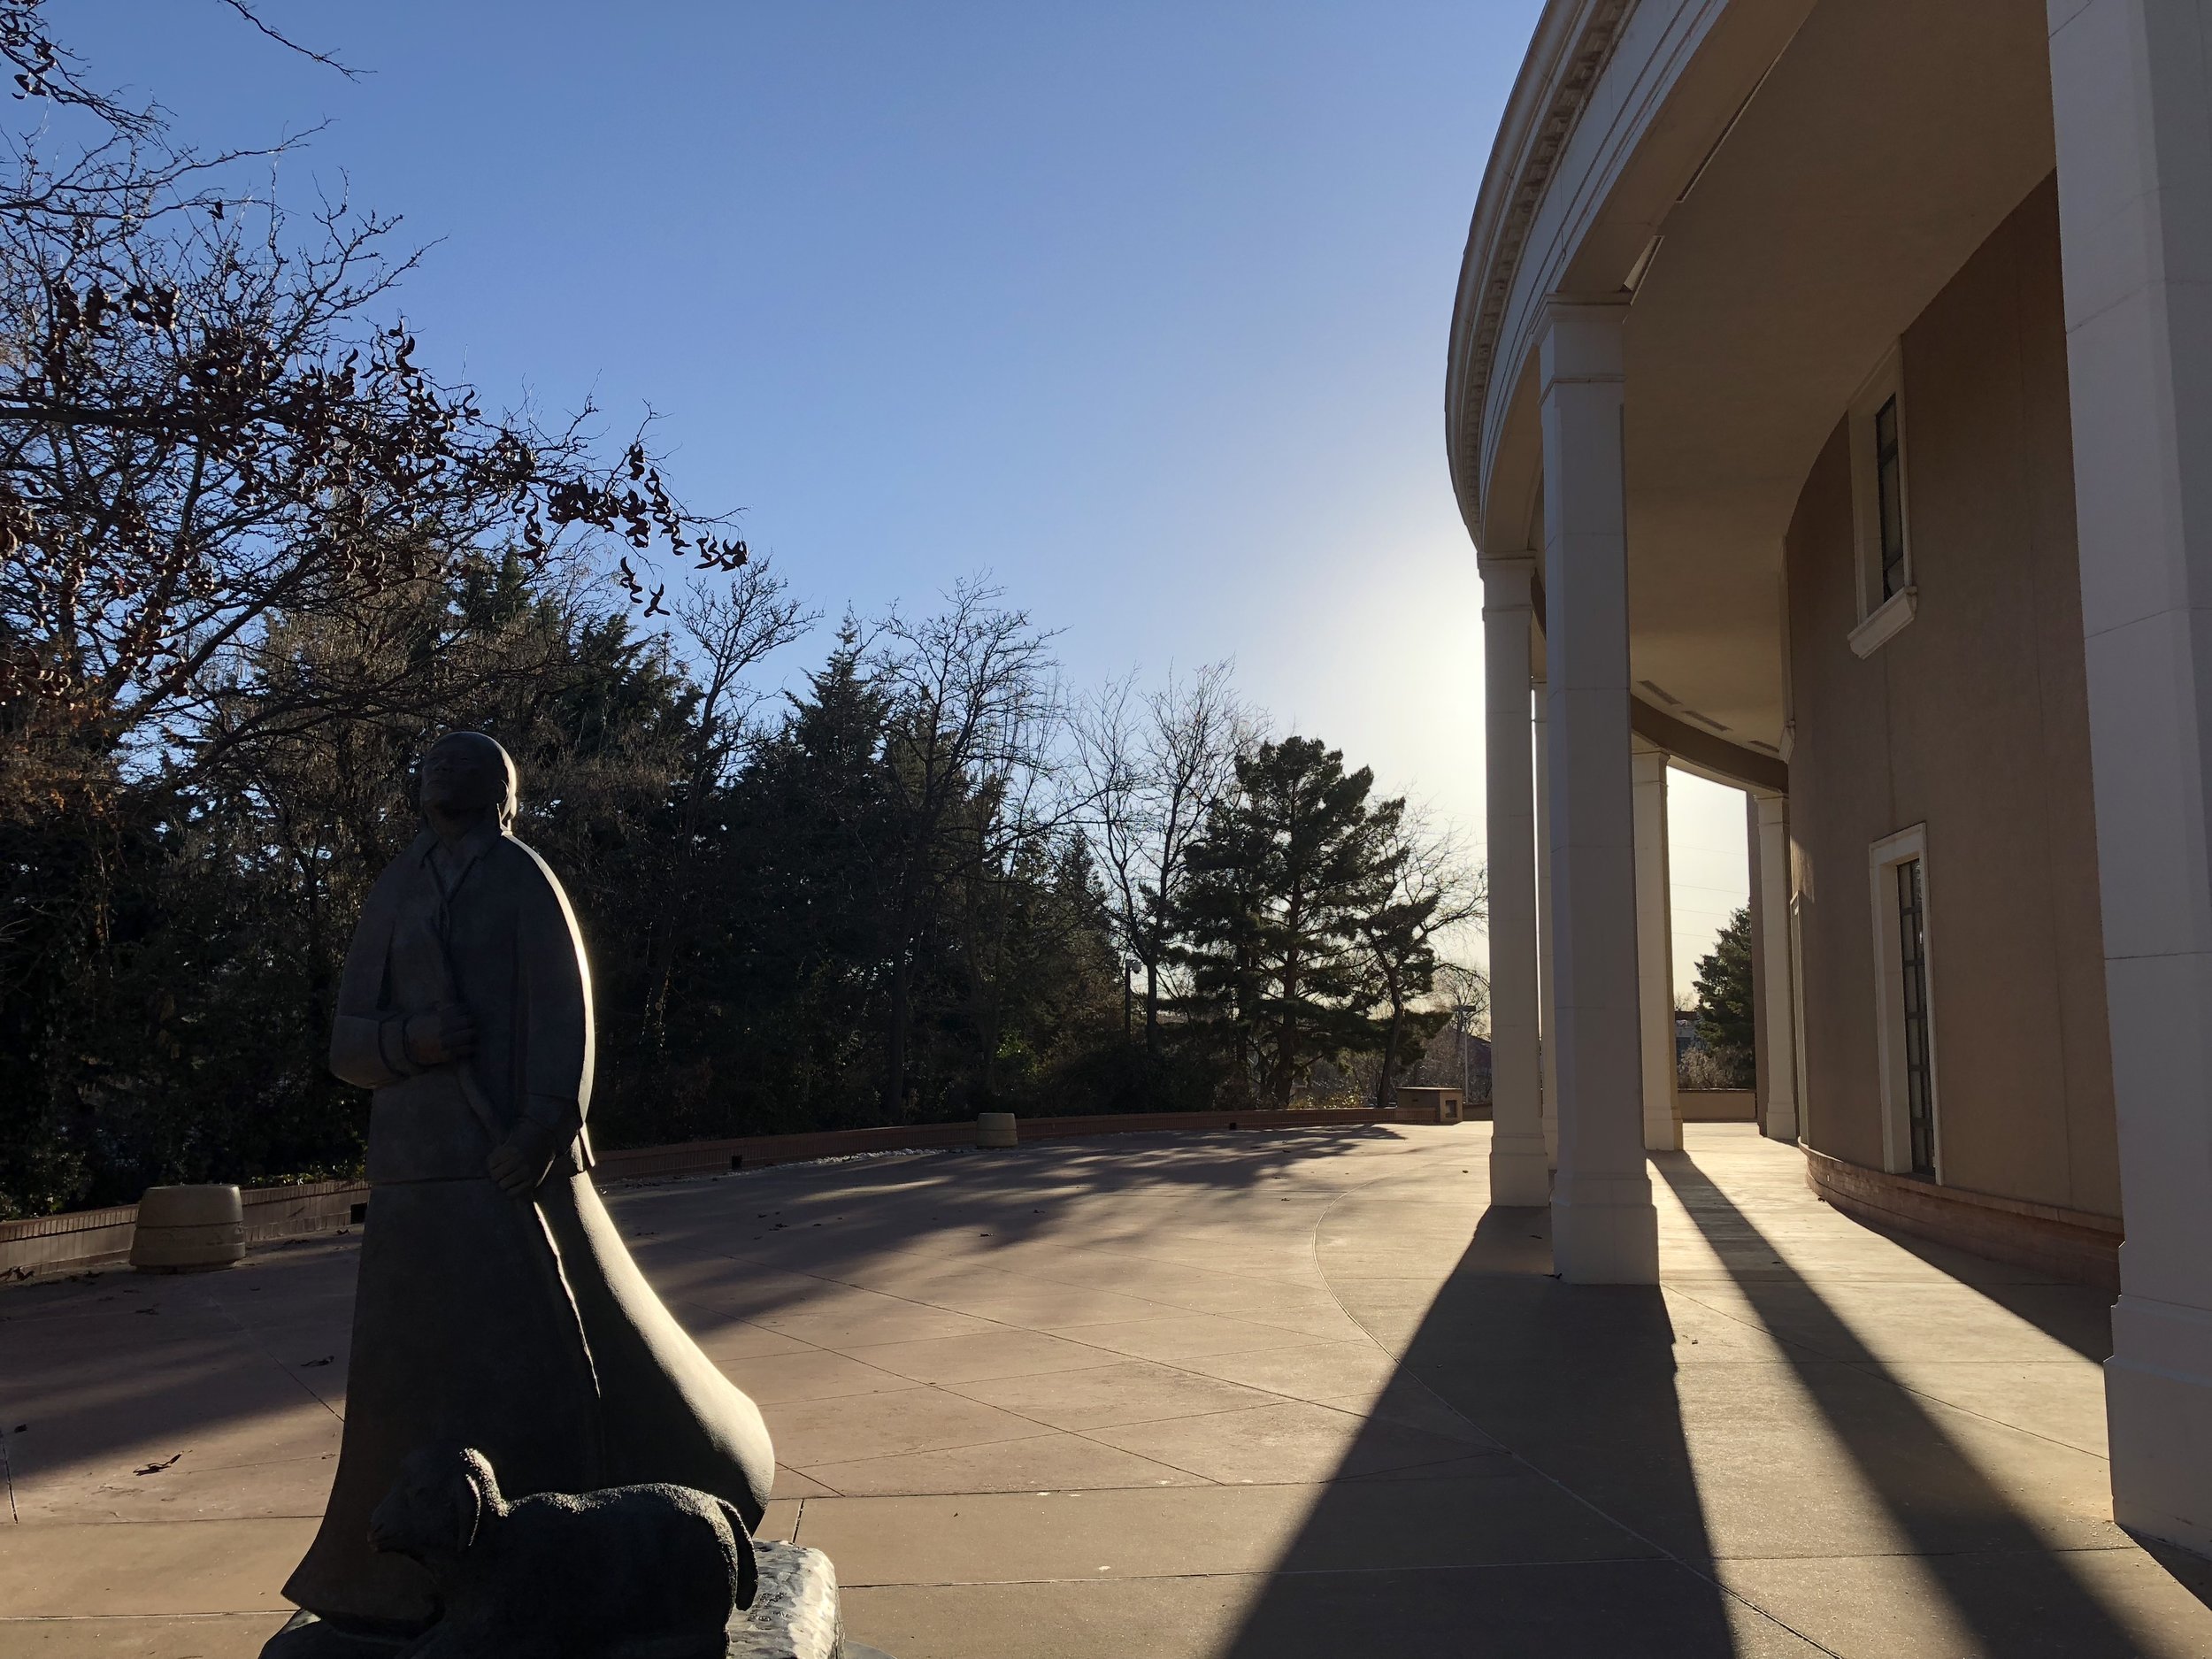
x=463 y=773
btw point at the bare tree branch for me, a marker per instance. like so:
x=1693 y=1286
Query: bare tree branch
x=262 y=25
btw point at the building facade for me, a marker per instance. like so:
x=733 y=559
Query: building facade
x=1830 y=401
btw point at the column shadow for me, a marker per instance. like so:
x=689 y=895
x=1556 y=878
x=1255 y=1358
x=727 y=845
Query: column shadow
x=2008 y=1577
x=1502 y=1552
x=1578 y=1525
x=2063 y=1309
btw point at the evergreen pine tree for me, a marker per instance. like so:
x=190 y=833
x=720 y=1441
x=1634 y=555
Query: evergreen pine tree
x=1724 y=995
x=1282 y=884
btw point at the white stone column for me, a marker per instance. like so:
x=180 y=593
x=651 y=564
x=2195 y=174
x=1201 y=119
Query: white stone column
x=2131 y=96
x=1761 y=1021
x=1604 y=1229
x=1778 y=1037
x=1519 y=1172
x=1547 y=941
x=1655 y=949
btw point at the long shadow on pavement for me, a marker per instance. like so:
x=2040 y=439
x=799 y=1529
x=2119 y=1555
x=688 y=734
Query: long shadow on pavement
x=110 y=1366
x=2013 y=1588
x=1565 y=1381
x=2056 y=1306
x=1823 y=1468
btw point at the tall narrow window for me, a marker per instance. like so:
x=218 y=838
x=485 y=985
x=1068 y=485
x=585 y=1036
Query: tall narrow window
x=1889 y=494
x=1912 y=947
x=1881 y=508
x=1905 y=1018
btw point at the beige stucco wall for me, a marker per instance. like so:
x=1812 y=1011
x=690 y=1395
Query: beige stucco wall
x=1973 y=720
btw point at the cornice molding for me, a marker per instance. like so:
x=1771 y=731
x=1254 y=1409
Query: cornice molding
x=1708 y=751
x=1574 y=40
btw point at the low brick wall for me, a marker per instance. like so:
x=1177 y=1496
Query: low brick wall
x=2069 y=1244
x=296 y=1212
x=1718 y=1105
x=753 y=1152
x=80 y=1239
x=76 y=1240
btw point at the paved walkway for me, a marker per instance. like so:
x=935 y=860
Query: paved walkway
x=1239 y=1396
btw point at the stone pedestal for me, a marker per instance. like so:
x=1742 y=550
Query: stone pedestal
x=997 y=1129
x=793 y=1616
x=188 y=1229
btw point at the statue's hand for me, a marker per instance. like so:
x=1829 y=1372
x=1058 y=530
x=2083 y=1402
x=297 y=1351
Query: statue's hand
x=444 y=1034
x=520 y=1162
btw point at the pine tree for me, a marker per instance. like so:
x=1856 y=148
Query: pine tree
x=1725 y=1018
x=791 y=984
x=1283 y=883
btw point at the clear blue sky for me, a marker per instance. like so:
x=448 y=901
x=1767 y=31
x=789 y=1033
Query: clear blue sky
x=1139 y=307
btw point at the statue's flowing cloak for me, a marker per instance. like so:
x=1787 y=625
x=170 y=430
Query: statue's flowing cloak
x=522 y=1329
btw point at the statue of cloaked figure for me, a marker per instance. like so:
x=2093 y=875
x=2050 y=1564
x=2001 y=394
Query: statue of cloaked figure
x=496 y=1306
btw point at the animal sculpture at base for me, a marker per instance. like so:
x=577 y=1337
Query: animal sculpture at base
x=628 y=1572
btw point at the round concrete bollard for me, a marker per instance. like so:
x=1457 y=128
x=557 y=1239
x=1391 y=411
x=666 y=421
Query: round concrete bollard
x=185 y=1229
x=997 y=1129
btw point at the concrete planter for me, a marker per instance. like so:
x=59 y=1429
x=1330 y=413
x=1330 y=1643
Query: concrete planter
x=997 y=1129
x=187 y=1229
x=1432 y=1105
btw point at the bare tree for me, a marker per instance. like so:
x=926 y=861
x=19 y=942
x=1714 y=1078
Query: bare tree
x=1153 y=766
x=1111 y=761
x=975 y=706
x=211 y=418
x=1436 y=891
x=1464 y=992
x=730 y=629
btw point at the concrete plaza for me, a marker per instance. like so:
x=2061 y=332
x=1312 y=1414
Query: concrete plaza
x=1260 y=1395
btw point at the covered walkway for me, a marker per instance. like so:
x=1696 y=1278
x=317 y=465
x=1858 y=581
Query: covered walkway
x=1266 y=1396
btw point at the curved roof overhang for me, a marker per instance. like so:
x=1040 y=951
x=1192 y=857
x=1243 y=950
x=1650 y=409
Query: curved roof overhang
x=1778 y=187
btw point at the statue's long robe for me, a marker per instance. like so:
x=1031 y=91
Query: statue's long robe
x=523 y=1329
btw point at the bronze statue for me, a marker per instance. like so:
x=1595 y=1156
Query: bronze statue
x=496 y=1306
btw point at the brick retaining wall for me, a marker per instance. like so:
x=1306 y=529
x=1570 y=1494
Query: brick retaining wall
x=753 y=1152
x=92 y=1237
x=1718 y=1105
x=75 y=1239
x=2069 y=1244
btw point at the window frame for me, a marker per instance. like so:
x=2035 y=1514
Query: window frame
x=1881 y=617
x=1885 y=858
